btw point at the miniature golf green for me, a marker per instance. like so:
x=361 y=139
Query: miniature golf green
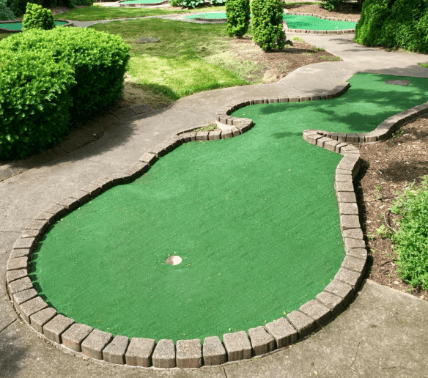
x=293 y=21
x=315 y=23
x=254 y=219
x=18 y=25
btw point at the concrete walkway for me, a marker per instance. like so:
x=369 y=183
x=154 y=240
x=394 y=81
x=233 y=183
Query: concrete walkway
x=382 y=334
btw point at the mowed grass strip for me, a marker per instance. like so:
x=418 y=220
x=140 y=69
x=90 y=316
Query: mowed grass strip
x=177 y=66
x=98 y=12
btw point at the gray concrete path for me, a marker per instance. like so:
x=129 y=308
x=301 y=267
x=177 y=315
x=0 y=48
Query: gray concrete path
x=381 y=335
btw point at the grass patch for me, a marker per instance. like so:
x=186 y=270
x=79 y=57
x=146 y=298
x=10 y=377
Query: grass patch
x=206 y=128
x=97 y=12
x=423 y=65
x=411 y=238
x=182 y=63
x=332 y=59
x=4 y=35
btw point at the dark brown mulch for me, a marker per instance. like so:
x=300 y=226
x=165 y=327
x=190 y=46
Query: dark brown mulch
x=387 y=168
x=293 y=56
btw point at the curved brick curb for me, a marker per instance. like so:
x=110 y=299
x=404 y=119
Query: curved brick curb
x=141 y=5
x=344 y=31
x=3 y=30
x=142 y=352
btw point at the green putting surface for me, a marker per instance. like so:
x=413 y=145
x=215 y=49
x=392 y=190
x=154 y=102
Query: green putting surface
x=142 y=2
x=209 y=16
x=18 y=25
x=315 y=23
x=254 y=218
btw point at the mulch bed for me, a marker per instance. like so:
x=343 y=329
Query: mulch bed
x=348 y=11
x=387 y=167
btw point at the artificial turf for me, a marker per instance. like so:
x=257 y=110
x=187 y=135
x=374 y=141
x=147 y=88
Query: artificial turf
x=208 y=15
x=254 y=218
x=18 y=25
x=315 y=23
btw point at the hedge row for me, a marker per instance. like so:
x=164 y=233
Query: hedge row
x=48 y=78
x=394 y=23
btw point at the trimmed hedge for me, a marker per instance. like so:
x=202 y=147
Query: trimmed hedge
x=36 y=17
x=35 y=97
x=97 y=58
x=94 y=65
x=266 y=18
x=238 y=17
x=394 y=23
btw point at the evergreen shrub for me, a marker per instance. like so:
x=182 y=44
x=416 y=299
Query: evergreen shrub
x=35 y=97
x=266 y=18
x=6 y=14
x=37 y=17
x=191 y=3
x=394 y=24
x=238 y=17
x=98 y=60
x=217 y=2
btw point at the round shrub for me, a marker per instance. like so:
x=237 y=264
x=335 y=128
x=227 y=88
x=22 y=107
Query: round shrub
x=394 y=23
x=6 y=14
x=98 y=60
x=37 y=17
x=35 y=97
x=266 y=18
x=238 y=17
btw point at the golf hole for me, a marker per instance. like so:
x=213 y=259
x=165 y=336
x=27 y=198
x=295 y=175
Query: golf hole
x=174 y=260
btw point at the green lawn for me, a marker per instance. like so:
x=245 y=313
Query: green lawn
x=97 y=12
x=190 y=57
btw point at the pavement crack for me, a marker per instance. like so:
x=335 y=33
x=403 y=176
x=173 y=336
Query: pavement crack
x=13 y=321
x=225 y=374
x=356 y=354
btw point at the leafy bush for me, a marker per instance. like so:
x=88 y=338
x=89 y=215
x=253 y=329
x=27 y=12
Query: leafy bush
x=175 y=3
x=19 y=6
x=411 y=239
x=37 y=17
x=6 y=13
x=330 y=4
x=191 y=3
x=267 y=24
x=394 y=23
x=238 y=17
x=35 y=97
x=98 y=60
x=217 y=2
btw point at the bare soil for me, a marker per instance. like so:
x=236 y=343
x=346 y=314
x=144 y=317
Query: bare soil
x=349 y=11
x=387 y=167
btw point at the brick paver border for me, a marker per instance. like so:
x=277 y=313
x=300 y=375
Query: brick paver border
x=280 y=333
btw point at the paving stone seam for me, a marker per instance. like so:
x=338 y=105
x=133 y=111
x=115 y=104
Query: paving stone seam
x=236 y=346
x=141 y=5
